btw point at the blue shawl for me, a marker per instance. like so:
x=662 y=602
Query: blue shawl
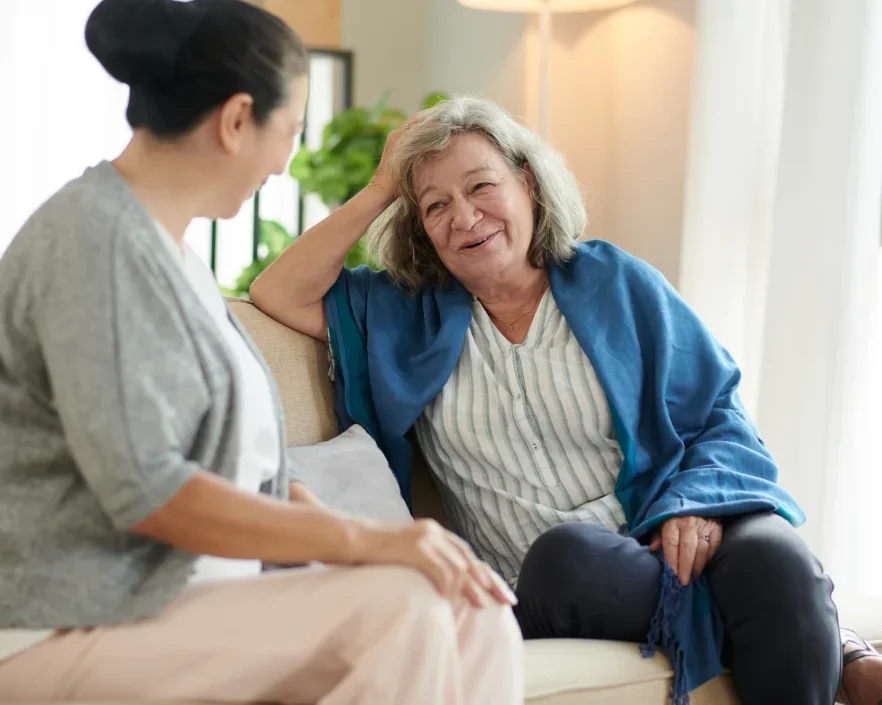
x=689 y=447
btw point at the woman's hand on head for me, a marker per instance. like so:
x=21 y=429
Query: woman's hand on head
x=438 y=554
x=688 y=544
x=382 y=180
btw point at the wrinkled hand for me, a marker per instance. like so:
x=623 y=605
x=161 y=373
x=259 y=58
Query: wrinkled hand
x=441 y=556
x=688 y=544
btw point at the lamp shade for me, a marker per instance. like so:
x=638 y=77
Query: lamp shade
x=539 y=5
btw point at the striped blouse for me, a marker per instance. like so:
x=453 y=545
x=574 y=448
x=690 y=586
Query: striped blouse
x=520 y=439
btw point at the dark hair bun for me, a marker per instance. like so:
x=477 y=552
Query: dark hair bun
x=183 y=60
x=138 y=41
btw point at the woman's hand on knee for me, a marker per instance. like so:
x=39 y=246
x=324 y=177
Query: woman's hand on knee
x=688 y=544
x=441 y=556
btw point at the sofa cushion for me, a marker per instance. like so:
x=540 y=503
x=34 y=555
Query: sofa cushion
x=575 y=672
x=349 y=473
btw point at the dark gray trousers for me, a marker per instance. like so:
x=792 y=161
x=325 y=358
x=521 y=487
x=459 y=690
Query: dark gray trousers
x=782 y=634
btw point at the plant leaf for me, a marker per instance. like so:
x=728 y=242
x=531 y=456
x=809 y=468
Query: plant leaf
x=432 y=99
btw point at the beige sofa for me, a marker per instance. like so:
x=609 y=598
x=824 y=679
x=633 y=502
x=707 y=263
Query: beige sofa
x=558 y=672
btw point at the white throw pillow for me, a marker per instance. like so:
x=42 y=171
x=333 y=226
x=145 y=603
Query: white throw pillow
x=349 y=473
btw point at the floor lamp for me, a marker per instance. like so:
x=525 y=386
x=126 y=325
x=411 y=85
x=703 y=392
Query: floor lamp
x=544 y=8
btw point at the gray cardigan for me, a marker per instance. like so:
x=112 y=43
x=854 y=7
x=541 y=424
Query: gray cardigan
x=115 y=388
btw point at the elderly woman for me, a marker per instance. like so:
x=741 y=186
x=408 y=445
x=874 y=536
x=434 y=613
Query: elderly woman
x=582 y=423
x=143 y=483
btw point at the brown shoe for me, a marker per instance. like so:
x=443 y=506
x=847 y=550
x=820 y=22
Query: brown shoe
x=861 y=682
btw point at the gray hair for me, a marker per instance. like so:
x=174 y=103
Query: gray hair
x=398 y=242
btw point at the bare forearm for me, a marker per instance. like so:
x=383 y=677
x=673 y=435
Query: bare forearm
x=210 y=516
x=305 y=272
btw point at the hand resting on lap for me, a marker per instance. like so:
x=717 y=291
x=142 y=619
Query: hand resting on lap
x=688 y=544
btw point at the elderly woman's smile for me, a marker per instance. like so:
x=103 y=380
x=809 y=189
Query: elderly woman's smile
x=480 y=242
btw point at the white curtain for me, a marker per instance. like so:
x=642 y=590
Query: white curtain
x=782 y=258
x=61 y=112
x=64 y=114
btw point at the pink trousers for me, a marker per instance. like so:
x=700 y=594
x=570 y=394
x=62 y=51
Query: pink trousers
x=328 y=636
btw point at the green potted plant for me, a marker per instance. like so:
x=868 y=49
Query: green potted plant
x=352 y=144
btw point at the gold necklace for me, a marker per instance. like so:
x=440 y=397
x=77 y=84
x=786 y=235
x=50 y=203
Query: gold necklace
x=509 y=327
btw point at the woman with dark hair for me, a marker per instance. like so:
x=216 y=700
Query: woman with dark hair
x=143 y=486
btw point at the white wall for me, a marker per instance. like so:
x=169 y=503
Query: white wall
x=620 y=95
x=652 y=60
x=61 y=111
x=481 y=53
x=389 y=40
